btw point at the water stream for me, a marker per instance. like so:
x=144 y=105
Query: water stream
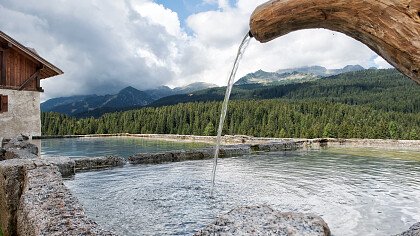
x=241 y=51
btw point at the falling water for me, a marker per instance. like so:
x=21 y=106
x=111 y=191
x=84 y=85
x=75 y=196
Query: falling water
x=241 y=51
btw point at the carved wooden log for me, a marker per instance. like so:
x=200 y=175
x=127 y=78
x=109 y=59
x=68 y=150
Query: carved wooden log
x=391 y=28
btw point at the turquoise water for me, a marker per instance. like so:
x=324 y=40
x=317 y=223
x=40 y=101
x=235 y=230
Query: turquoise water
x=355 y=191
x=119 y=146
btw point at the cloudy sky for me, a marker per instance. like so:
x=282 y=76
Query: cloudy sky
x=106 y=45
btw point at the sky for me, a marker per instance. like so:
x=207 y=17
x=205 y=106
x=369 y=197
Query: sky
x=105 y=45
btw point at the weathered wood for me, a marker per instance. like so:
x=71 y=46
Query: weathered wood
x=34 y=76
x=4 y=106
x=390 y=28
x=2 y=70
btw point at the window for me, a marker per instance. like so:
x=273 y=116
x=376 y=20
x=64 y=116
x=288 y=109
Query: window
x=4 y=103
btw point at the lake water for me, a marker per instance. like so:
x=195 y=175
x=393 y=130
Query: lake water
x=356 y=191
x=107 y=146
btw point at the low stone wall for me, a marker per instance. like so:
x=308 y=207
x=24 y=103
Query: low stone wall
x=157 y=158
x=277 y=146
x=65 y=165
x=95 y=163
x=207 y=153
x=244 y=139
x=387 y=144
x=198 y=154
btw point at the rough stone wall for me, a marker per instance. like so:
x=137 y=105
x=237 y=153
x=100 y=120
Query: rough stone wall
x=23 y=116
x=11 y=177
x=94 y=163
x=35 y=201
x=48 y=208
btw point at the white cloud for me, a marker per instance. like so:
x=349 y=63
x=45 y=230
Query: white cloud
x=104 y=45
x=222 y=31
x=381 y=63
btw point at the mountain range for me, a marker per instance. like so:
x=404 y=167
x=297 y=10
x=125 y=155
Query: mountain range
x=127 y=98
x=294 y=75
x=131 y=98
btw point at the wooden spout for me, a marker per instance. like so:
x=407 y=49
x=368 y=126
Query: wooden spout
x=391 y=28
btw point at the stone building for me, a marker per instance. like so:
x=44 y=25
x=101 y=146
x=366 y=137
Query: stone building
x=21 y=70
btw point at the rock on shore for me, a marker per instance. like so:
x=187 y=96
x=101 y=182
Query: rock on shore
x=263 y=220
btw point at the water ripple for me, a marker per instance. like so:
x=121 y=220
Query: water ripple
x=355 y=194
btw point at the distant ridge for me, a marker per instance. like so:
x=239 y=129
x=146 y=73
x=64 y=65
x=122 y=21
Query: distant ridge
x=127 y=98
x=322 y=71
x=294 y=75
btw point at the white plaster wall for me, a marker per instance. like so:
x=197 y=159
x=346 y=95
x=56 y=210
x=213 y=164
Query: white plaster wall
x=24 y=115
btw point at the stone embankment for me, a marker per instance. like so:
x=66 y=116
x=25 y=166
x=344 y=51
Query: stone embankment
x=263 y=220
x=33 y=198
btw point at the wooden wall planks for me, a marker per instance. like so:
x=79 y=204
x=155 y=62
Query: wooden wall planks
x=18 y=68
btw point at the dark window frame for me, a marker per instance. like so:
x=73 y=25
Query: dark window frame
x=4 y=103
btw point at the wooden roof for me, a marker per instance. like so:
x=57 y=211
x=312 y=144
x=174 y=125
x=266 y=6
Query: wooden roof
x=48 y=69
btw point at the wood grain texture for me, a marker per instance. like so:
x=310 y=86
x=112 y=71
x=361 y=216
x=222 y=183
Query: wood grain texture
x=391 y=28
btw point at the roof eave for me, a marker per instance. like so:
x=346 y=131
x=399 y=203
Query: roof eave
x=32 y=54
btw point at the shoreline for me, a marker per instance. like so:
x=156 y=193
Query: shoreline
x=387 y=144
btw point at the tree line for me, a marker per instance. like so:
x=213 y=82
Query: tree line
x=282 y=118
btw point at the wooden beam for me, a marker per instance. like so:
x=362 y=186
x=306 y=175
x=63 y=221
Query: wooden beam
x=3 y=67
x=33 y=76
x=38 y=85
x=390 y=28
x=9 y=87
x=5 y=46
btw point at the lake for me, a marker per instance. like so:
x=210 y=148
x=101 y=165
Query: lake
x=356 y=191
x=108 y=146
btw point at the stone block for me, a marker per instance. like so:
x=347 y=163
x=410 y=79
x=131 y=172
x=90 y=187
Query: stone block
x=263 y=220
x=93 y=163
